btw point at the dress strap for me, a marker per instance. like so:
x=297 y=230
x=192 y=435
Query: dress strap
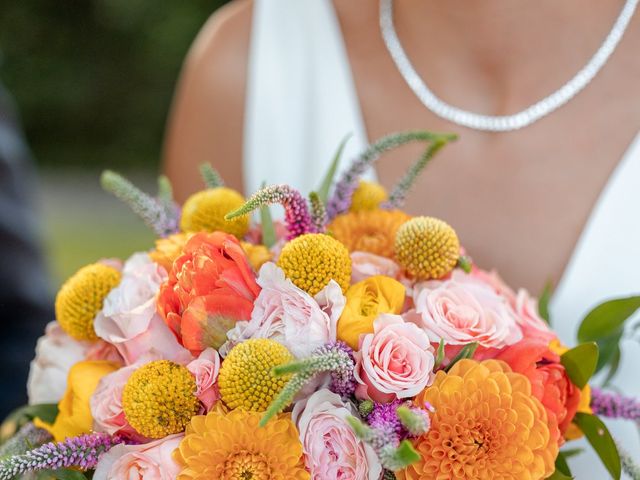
x=301 y=99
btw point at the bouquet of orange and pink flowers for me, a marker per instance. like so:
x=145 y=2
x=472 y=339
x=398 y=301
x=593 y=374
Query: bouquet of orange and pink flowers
x=349 y=341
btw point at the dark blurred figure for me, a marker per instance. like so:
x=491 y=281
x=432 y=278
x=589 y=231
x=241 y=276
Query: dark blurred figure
x=25 y=304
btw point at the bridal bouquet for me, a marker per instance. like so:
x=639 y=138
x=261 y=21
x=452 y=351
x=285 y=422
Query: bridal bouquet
x=350 y=341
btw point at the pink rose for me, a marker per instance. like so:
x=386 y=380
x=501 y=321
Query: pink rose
x=365 y=265
x=464 y=309
x=286 y=313
x=129 y=319
x=525 y=306
x=150 y=461
x=395 y=361
x=331 y=448
x=56 y=353
x=106 y=404
x=205 y=369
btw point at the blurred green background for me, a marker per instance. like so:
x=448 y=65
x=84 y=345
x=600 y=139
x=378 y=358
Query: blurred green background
x=93 y=81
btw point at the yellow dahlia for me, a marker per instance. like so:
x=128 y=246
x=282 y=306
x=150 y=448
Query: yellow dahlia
x=486 y=425
x=427 y=248
x=233 y=447
x=246 y=381
x=81 y=298
x=159 y=399
x=168 y=249
x=258 y=255
x=368 y=196
x=205 y=211
x=372 y=231
x=311 y=261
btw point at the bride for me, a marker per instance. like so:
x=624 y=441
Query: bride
x=270 y=87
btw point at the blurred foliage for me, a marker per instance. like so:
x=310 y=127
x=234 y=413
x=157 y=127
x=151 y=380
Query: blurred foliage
x=94 y=78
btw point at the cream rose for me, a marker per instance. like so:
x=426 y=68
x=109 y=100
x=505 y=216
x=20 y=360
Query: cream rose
x=395 y=361
x=129 y=318
x=331 y=448
x=365 y=265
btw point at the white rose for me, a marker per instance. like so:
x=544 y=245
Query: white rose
x=56 y=353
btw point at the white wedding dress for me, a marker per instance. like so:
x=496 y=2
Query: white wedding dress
x=301 y=101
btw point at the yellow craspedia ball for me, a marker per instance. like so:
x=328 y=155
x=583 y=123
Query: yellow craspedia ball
x=159 y=399
x=368 y=196
x=81 y=298
x=427 y=248
x=205 y=211
x=311 y=261
x=246 y=380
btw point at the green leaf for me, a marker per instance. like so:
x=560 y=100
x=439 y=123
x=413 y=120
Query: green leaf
x=613 y=366
x=439 y=354
x=543 y=302
x=405 y=454
x=61 y=474
x=558 y=475
x=607 y=319
x=562 y=466
x=466 y=352
x=600 y=439
x=464 y=263
x=266 y=222
x=572 y=452
x=325 y=186
x=607 y=347
x=580 y=363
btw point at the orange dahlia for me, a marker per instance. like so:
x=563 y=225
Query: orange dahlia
x=372 y=231
x=486 y=425
x=232 y=446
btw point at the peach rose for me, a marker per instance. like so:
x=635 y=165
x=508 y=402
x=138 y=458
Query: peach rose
x=149 y=461
x=211 y=281
x=549 y=381
x=106 y=405
x=464 y=309
x=395 y=361
x=365 y=265
x=525 y=306
x=205 y=369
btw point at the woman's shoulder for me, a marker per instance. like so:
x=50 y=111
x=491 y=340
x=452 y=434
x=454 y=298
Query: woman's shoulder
x=205 y=123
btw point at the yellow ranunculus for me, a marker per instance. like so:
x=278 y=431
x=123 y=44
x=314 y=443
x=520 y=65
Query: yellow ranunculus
x=365 y=301
x=74 y=416
x=258 y=255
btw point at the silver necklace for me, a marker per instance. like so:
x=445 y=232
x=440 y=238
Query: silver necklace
x=500 y=123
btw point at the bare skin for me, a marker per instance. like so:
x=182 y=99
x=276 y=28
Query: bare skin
x=518 y=200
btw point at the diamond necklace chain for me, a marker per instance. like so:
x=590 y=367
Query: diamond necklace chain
x=500 y=123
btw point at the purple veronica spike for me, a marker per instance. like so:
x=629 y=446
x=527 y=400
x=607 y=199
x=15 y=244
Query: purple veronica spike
x=296 y=211
x=614 y=405
x=82 y=452
x=340 y=201
x=343 y=382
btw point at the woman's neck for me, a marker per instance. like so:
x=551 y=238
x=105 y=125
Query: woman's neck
x=508 y=53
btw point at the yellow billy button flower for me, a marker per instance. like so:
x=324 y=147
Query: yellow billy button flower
x=368 y=196
x=159 y=399
x=365 y=301
x=81 y=298
x=311 y=261
x=205 y=211
x=427 y=248
x=74 y=412
x=246 y=380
